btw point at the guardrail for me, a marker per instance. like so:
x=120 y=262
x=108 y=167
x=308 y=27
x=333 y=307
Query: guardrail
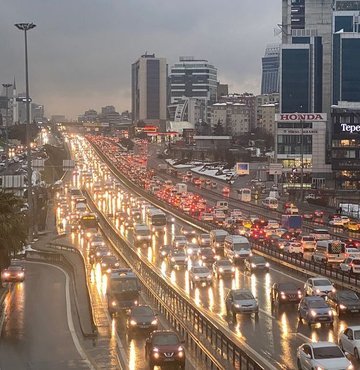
x=60 y=259
x=194 y=324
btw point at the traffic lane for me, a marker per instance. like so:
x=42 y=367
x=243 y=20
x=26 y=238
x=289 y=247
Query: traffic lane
x=36 y=333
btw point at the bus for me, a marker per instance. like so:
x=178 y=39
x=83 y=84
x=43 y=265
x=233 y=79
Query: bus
x=244 y=194
x=88 y=225
x=156 y=220
x=270 y=203
x=329 y=251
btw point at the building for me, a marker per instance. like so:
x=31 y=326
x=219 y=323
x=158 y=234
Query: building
x=266 y=117
x=187 y=109
x=108 y=114
x=193 y=78
x=270 y=70
x=149 y=91
x=58 y=118
x=90 y=115
x=234 y=117
x=306 y=20
x=222 y=90
x=37 y=113
x=264 y=100
x=345 y=146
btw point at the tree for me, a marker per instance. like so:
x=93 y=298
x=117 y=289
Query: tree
x=218 y=129
x=12 y=227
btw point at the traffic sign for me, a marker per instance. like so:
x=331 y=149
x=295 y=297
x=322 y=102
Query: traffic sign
x=275 y=168
x=68 y=164
x=242 y=168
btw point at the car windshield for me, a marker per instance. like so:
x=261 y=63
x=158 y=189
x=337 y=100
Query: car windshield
x=287 y=286
x=240 y=246
x=224 y=263
x=142 y=311
x=124 y=285
x=356 y=262
x=348 y=294
x=258 y=260
x=165 y=340
x=239 y=296
x=318 y=304
x=308 y=238
x=179 y=253
x=200 y=270
x=357 y=334
x=327 y=352
x=15 y=268
x=206 y=251
x=322 y=282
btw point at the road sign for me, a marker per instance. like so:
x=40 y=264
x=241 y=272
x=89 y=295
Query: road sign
x=68 y=164
x=242 y=168
x=275 y=168
x=38 y=163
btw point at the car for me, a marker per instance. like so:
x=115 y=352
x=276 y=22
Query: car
x=98 y=254
x=226 y=190
x=14 y=273
x=353 y=226
x=165 y=250
x=291 y=209
x=177 y=258
x=322 y=355
x=164 y=347
x=314 y=309
x=336 y=222
x=273 y=224
x=108 y=263
x=344 y=301
x=308 y=216
x=206 y=255
x=241 y=301
x=349 y=341
x=318 y=213
x=200 y=275
x=204 y=240
x=96 y=241
x=141 y=317
x=286 y=292
x=352 y=243
x=351 y=264
x=319 y=286
x=256 y=263
x=223 y=267
x=179 y=241
x=293 y=247
x=192 y=250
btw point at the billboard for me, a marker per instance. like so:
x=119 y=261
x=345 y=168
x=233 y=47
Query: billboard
x=346 y=129
x=298 y=117
x=242 y=169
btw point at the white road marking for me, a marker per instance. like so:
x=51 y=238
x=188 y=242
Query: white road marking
x=68 y=314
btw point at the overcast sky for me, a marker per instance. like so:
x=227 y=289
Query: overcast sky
x=81 y=51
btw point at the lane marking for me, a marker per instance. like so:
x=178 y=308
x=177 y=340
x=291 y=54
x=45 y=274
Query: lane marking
x=69 y=314
x=3 y=315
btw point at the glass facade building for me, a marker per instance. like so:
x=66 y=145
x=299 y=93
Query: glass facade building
x=270 y=70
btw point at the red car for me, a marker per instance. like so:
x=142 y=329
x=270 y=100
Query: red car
x=164 y=347
x=14 y=273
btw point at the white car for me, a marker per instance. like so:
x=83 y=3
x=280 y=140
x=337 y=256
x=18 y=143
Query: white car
x=293 y=247
x=349 y=341
x=337 y=222
x=318 y=286
x=200 y=275
x=322 y=355
x=273 y=224
x=192 y=249
x=352 y=252
x=351 y=264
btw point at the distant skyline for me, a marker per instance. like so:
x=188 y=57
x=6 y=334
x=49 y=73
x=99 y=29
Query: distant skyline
x=80 y=53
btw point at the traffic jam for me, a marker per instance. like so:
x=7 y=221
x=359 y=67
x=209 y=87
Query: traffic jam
x=309 y=320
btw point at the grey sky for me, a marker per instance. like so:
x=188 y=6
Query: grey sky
x=81 y=50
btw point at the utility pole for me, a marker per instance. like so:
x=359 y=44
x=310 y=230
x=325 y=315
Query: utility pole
x=302 y=161
x=27 y=27
x=6 y=124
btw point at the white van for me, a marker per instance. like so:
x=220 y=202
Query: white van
x=270 y=203
x=236 y=248
x=217 y=239
x=308 y=243
x=329 y=251
x=222 y=205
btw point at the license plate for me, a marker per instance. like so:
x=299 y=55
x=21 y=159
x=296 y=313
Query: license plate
x=143 y=326
x=168 y=359
x=354 y=310
x=323 y=319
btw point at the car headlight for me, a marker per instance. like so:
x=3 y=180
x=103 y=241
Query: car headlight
x=155 y=349
x=333 y=290
x=138 y=237
x=209 y=276
x=197 y=278
x=154 y=322
x=330 y=313
x=267 y=264
x=232 y=269
x=6 y=274
x=117 y=264
x=190 y=251
x=163 y=253
x=221 y=269
x=172 y=259
x=313 y=313
x=103 y=264
x=114 y=303
x=253 y=265
x=236 y=305
x=350 y=367
x=317 y=291
x=342 y=307
x=108 y=270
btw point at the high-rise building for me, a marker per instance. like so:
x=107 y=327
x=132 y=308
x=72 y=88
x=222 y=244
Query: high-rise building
x=149 y=91
x=222 y=89
x=270 y=70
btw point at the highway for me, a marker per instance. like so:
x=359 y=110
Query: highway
x=276 y=335
x=38 y=332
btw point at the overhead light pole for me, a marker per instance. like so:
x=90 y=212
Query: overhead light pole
x=27 y=27
x=6 y=124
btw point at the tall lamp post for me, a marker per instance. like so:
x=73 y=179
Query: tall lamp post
x=302 y=162
x=27 y=27
x=6 y=124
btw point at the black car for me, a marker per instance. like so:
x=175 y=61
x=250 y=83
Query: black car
x=285 y=293
x=140 y=318
x=256 y=263
x=206 y=255
x=108 y=263
x=164 y=250
x=344 y=302
x=164 y=347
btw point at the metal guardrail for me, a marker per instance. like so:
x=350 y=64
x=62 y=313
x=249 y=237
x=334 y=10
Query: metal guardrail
x=60 y=259
x=196 y=326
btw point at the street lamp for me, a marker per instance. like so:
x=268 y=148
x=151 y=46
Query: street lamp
x=27 y=27
x=6 y=124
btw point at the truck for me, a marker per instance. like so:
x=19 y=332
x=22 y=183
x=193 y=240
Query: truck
x=291 y=223
x=181 y=188
x=123 y=290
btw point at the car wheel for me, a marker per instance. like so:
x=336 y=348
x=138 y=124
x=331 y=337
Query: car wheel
x=299 y=365
x=356 y=354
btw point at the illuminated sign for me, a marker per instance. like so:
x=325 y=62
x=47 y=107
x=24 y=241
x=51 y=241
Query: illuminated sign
x=242 y=169
x=297 y=117
x=345 y=127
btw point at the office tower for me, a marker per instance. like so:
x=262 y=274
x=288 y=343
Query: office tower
x=149 y=91
x=270 y=70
